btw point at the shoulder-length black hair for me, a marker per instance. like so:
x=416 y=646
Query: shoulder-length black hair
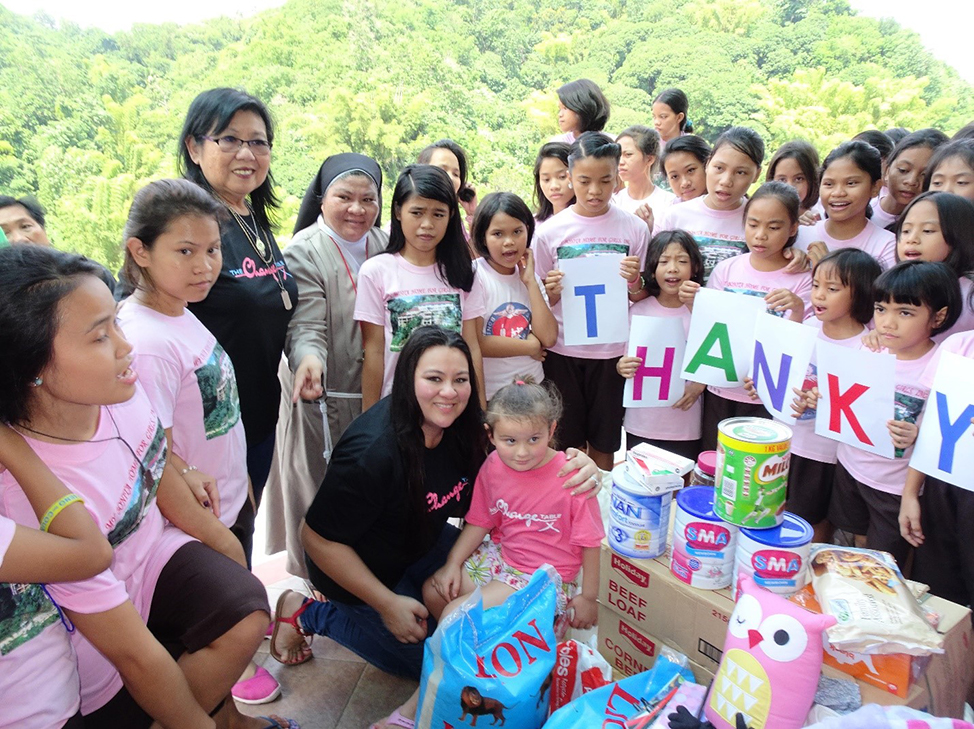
x=551 y=150
x=498 y=202
x=211 y=113
x=806 y=156
x=929 y=138
x=452 y=253
x=786 y=195
x=466 y=436
x=921 y=283
x=858 y=270
x=956 y=215
x=586 y=99
x=659 y=244
x=33 y=282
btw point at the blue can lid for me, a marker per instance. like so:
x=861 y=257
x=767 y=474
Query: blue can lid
x=793 y=531
x=699 y=501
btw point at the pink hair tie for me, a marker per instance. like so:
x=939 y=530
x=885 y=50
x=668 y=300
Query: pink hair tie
x=518 y=382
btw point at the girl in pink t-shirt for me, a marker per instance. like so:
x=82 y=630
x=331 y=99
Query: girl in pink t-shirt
x=770 y=228
x=906 y=169
x=425 y=277
x=796 y=163
x=552 y=189
x=673 y=258
x=684 y=163
x=951 y=169
x=582 y=107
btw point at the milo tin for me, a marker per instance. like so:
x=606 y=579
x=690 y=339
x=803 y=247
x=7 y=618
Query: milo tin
x=752 y=471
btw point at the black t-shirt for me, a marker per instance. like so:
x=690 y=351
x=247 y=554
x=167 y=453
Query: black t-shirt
x=363 y=500
x=245 y=312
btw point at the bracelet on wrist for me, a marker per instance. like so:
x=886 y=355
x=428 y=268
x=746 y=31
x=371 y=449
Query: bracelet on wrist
x=187 y=470
x=56 y=508
x=642 y=285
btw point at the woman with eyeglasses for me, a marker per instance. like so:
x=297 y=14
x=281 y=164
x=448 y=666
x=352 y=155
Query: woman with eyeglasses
x=225 y=147
x=70 y=390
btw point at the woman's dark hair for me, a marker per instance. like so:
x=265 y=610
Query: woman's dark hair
x=208 y=115
x=807 y=158
x=745 y=140
x=921 y=283
x=659 y=244
x=858 y=270
x=466 y=436
x=691 y=144
x=965 y=132
x=154 y=209
x=551 y=150
x=895 y=134
x=466 y=193
x=956 y=215
x=646 y=140
x=586 y=99
x=877 y=139
x=498 y=202
x=452 y=254
x=593 y=144
x=930 y=138
x=33 y=282
x=786 y=195
x=962 y=148
x=678 y=102
x=28 y=203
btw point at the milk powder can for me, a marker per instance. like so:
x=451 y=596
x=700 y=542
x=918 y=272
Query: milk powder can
x=703 y=545
x=777 y=559
x=638 y=520
x=752 y=471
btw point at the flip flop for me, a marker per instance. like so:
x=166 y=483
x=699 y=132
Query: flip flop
x=278 y=722
x=291 y=620
x=395 y=719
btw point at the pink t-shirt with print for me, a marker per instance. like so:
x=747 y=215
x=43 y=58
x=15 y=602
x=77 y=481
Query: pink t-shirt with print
x=570 y=235
x=665 y=423
x=879 y=243
x=116 y=473
x=398 y=296
x=889 y=474
x=535 y=520
x=738 y=276
x=191 y=384
x=719 y=233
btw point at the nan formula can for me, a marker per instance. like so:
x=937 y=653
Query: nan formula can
x=777 y=559
x=638 y=520
x=703 y=545
x=752 y=471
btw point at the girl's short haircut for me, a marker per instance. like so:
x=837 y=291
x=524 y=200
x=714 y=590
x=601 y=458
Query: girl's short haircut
x=962 y=148
x=931 y=138
x=498 y=202
x=524 y=399
x=465 y=193
x=551 y=150
x=865 y=156
x=593 y=144
x=878 y=139
x=745 y=140
x=646 y=140
x=586 y=99
x=807 y=158
x=33 y=282
x=858 y=270
x=691 y=144
x=154 y=208
x=895 y=134
x=921 y=283
x=956 y=215
x=452 y=254
x=678 y=102
x=659 y=244
x=786 y=195
x=965 y=132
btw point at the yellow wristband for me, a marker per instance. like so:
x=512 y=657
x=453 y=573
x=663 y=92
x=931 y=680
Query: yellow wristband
x=58 y=506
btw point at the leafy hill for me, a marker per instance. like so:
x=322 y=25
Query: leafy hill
x=86 y=118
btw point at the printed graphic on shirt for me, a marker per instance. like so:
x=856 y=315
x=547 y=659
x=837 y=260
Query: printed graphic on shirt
x=250 y=269
x=25 y=611
x=715 y=250
x=544 y=522
x=218 y=389
x=596 y=248
x=407 y=313
x=811 y=380
x=511 y=320
x=435 y=501
x=140 y=488
x=752 y=292
x=906 y=408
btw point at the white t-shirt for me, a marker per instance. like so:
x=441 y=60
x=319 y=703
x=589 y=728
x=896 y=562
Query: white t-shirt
x=666 y=423
x=804 y=441
x=738 y=276
x=190 y=382
x=507 y=313
x=659 y=200
x=570 y=235
x=889 y=474
x=119 y=491
x=879 y=243
x=398 y=296
x=38 y=670
x=719 y=233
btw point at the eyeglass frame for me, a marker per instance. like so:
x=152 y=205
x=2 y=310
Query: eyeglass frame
x=257 y=147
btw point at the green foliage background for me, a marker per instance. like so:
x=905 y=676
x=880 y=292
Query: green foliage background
x=86 y=118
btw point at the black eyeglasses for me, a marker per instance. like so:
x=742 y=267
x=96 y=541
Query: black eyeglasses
x=230 y=144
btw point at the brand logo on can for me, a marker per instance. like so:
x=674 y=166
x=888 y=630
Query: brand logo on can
x=626 y=507
x=773 y=468
x=706 y=536
x=776 y=564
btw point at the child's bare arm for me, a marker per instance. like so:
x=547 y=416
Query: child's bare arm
x=910 y=528
x=583 y=605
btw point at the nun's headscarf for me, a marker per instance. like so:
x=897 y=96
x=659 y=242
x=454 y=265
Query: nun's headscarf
x=332 y=168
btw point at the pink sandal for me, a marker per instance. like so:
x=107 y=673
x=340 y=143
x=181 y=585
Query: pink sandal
x=396 y=719
x=291 y=620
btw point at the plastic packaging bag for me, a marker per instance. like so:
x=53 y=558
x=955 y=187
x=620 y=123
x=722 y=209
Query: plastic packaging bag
x=579 y=669
x=492 y=664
